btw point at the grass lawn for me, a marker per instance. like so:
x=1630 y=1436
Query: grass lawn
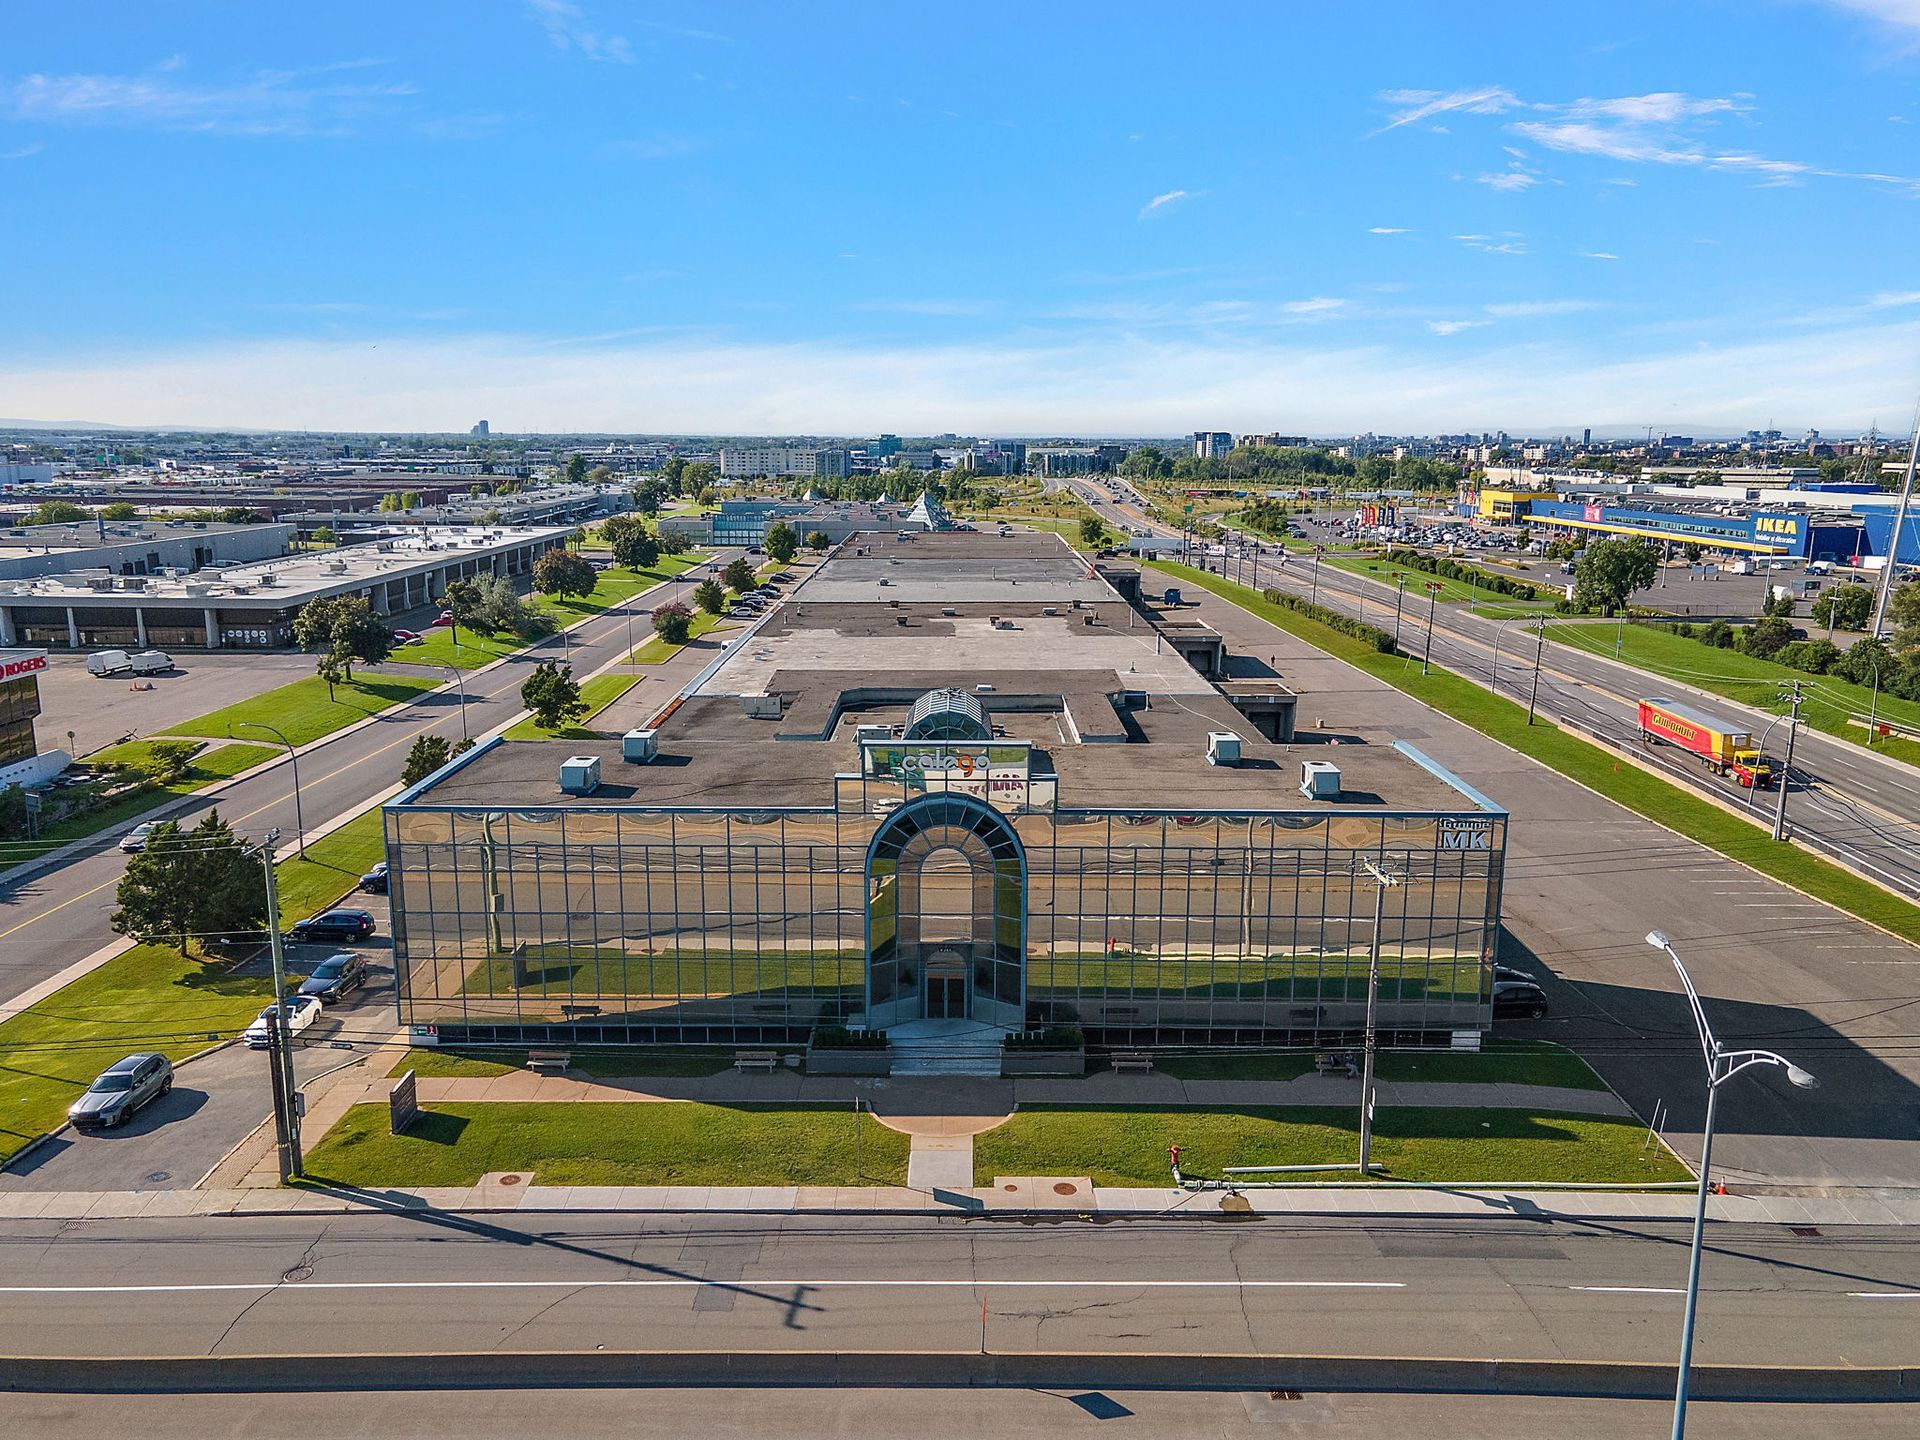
x=657 y=650
x=333 y=865
x=146 y=999
x=648 y=1061
x=598 y=693
x=1750 y=680
x=302 y=712
x=669 y=1143
x=1451 y=590
x=618 y=584
x=1617 y=779
x=1127 y=1145
x=209 y=767
x=1267 y=1065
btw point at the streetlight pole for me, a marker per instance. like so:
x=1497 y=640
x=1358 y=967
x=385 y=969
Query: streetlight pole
x=1493 y=667
x=1786 y=766
x=1382 y=882
x=299 y=821
x=461 y=681
x=1314 y=598
x=1539 y=652
x=1399 y=596
x=1722 y=1066
x=1433 y=599
x=280 y=1052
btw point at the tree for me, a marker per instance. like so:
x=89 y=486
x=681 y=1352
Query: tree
x=1766 y=636
x=671 y=542
x=1903 y=613
x=782 y=541
x=1778 y=602
x=492 y=516
x=332 y=670
x=388 y=504
x=817 y=540
x=428 y=754
x=649 y=495
x=576 y=470
x=188 y=884
x=561 y=572
x=739 y=576
x=168 y=760
x=673 y=622
x=636 y=549
x=1611 y=570
x=56 y=512
x=1562 y=547
x=1867 y=662
x=466 y=604
x=325 y=535
x=118 y=510
x=600 y=475
x=345 y=627
x=710 y=597
x=552 y=696
x=1092 y=532
x=1149 y=462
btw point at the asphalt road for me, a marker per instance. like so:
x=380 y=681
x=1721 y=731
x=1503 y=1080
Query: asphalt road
x=1505 y=1287
x=59 y=916
x=427 y=1414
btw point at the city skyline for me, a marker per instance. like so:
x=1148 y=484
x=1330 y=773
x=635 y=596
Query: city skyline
x=596 y=217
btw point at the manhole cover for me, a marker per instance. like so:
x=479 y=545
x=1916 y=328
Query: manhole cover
x=509 y=1179
x=298 y=1273
x=1009 y=1187
x=159 y=1177
x=1063 y=1188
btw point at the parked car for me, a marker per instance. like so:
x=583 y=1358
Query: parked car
x=335 y=977
x=1519 y=999
x=120 y=1090
x=444 y=618
x=135 y=840
x=348 y=925
x=302 y=1011
x=406 y=637
x=374 y=882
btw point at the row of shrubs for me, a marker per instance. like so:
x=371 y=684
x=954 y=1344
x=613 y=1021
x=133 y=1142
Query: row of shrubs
x=1379 y=639
x=1775 y=638
x=1471 y=575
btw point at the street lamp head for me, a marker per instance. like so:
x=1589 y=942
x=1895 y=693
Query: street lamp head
x=1658 y=940
x=1804 y=1079
x=273 y=836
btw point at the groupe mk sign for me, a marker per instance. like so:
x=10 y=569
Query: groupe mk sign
x=1466 y=834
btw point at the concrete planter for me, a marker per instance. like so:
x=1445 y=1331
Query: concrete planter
x=1014 y=1061
x=837 y=1060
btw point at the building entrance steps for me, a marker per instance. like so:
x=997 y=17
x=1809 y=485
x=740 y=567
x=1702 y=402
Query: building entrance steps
x=945 y=1047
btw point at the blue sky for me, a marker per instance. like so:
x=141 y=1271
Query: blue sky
x=1114 y=218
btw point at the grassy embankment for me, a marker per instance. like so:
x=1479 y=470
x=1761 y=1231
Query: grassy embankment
x=1127 y=1145
x=1689 y=815
x=150 y=998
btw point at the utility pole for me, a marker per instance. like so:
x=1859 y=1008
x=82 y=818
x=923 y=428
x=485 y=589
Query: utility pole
x=286 y=1093
x=1893 y=540
x=1786 y=768
x=1382 y=882
x=1399 y=596
x=1433 y=599
x=1539 y=652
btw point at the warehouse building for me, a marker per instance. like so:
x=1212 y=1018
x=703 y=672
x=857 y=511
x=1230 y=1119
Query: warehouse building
x=135 y=547
x=954 y=777
x=253 y=605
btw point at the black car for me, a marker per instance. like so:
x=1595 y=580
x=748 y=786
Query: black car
x=120 y=1090
x=336 y=977
x=374 y=882
x=1518 y=999
x=346 y=925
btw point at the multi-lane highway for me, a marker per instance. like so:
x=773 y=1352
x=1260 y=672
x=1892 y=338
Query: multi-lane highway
x=1851 y=806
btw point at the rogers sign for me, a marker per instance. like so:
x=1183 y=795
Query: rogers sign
x=18 y=664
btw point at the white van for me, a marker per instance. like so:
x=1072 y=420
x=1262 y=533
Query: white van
x=151 y=662
x=109 y=662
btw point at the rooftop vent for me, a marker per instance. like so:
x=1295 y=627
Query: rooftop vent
x=1223 y=748
x=1320 y=780
x=580 y=774
x=638 y=747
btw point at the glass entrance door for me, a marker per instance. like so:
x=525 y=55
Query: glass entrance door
x=946 y=997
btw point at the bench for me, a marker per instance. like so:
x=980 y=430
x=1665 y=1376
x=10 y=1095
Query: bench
x=1335 y=1063
x=549 y=1062
x=1133 y=1060
x=578 y=1012
x=767 y=1060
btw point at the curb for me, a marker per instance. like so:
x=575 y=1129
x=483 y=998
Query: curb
x=1459 y=1375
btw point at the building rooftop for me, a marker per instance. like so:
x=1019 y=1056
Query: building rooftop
x=1115 y=718
x=93 y=534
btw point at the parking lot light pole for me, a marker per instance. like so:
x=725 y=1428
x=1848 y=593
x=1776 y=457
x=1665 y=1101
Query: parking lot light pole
x=299 y=821
x=1722 y=1066
x=1382 y=883
x=461 y=681
x=279 y=1035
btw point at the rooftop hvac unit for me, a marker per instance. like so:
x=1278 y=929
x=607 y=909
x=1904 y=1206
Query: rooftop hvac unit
x=580 y=774
x=1223 y=748
x=638 y=747
x=864 y=733
x=1320 y=780
x=760 y=707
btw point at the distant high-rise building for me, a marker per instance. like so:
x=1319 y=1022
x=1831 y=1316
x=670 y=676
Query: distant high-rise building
x=480 y=431
x=1586 y=436
x=1211 y=444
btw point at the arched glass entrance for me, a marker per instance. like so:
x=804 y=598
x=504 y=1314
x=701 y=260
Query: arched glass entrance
x=946 y=915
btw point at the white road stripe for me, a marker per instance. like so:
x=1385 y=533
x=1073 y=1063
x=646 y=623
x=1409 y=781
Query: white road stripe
x=1627 y=1289
x=658 y=1282
x=1883 y=1294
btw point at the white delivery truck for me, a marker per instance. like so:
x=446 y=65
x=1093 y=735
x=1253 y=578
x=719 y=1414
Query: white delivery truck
x=151 y=662
x=109 y=662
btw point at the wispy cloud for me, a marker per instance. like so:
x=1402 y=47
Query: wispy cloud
x=1161 y=204
x=1598 y=255
x=1527 y=309
x=568 y=29
x=1454 y=327
x=1894 y=299
x=23 y=152
x=1508 y=180
x=656 y=147
x=1507 y=243
x=924 y=307
x=1388 y=230
x=1418 y=105
x=1318 y=305
x=267 y=102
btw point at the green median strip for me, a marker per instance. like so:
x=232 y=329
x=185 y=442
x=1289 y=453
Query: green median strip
x=1618 y=779
x=304 y=711
x=598 y=693
x=593 y=1143
x=658 y=650
x=1126 y=1145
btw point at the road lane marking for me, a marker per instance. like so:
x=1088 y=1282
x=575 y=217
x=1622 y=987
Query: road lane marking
x=1883 y=1294
x=1627 y=1289
x=61 y=906
x=673 y=1282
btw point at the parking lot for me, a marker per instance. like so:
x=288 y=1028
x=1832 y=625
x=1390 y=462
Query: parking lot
x=102 y=710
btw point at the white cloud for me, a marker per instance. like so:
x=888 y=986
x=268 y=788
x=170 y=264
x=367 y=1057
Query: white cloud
x=1663 y=107
x=268 y=102
x=22 y=153
x=1160 y=204
x=567 y=29
x=1598 y=255
x=924 y=307
x=1508 y=180
x=1389 y=230
x=1418 y=105
x=1507 y=244
x=1837 y=378
x=1527 y=309
x=1318 y=305
x=1894 y=299
x=1454 y=327
x=1904 y=14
